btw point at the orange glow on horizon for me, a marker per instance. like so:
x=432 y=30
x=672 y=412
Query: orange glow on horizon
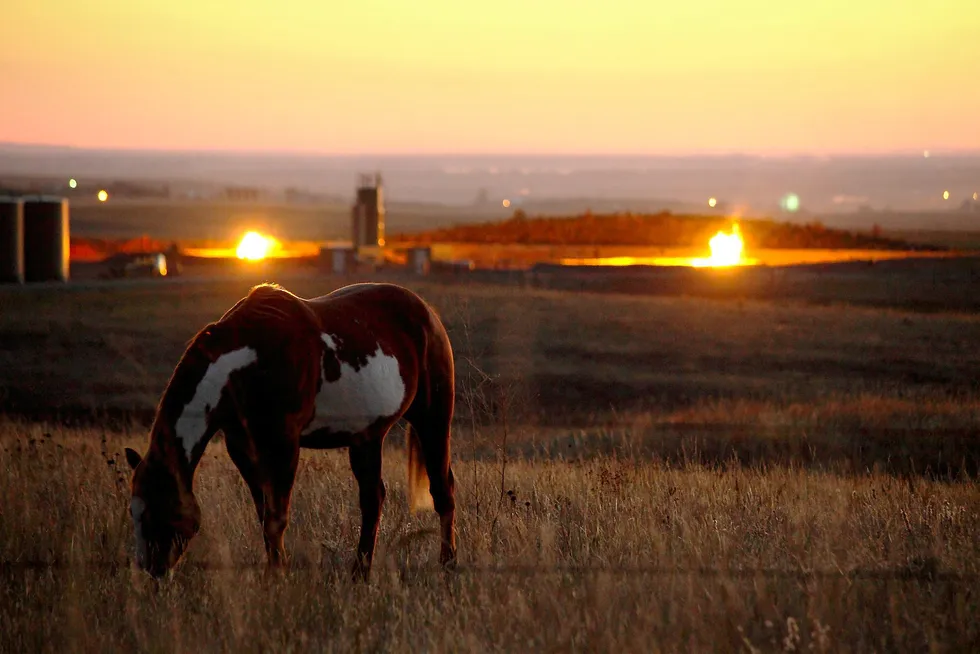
x=727 y=250
x=253 y=246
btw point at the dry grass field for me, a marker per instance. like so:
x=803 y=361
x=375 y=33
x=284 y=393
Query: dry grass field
x=634 y=474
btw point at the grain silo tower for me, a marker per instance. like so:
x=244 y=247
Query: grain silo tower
x=368 y=213
x=46 y=239
x=11 y=241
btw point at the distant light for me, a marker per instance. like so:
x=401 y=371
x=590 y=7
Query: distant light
x=974 y=196
x=255 y=246
x=103 y=195
x=506 y=203
x=712 y=202
x=790 y=202
x=945 y=195
x=381 y=242
x=72 y=183
x=925 y=153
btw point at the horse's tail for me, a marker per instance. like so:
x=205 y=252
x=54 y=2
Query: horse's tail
x=418 y=479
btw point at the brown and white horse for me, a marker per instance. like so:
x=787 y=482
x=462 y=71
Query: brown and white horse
x=277 y=373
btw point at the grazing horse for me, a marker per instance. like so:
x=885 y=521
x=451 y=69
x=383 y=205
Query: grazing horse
x=278 y=372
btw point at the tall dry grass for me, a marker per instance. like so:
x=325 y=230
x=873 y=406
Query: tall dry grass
x=608 y=554
x=634 y=474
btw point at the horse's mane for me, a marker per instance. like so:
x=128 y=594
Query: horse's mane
x=265 y=304
x=267 y=308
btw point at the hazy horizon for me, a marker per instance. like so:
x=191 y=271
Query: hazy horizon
x=904 y=153
x=744 y=184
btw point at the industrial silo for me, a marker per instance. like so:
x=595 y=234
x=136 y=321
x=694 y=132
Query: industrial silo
x=46 y=239
x=11 y=241
x=368 y=213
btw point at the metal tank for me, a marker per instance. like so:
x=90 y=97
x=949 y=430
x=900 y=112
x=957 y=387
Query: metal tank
x=46 y=239
x=11 y=241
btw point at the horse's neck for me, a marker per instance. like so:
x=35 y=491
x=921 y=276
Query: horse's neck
x=190 y=407
x=167 y=451
x=180 y=435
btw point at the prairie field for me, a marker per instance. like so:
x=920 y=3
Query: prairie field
x=633 y=474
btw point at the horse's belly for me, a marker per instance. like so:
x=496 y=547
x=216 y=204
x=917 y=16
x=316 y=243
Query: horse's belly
x=359 y=398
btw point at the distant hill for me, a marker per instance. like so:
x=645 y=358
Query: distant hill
x=655 y=230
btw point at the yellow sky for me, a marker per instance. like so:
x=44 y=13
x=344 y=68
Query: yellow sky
x=524 y=76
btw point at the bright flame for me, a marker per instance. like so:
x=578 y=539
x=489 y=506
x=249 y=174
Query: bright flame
x=72 y=183
x=103 y=195
x=945 y=195
x=255 y=246
x=726 y=250
x=712 y=202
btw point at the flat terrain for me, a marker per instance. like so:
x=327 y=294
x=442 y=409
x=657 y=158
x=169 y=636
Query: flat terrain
x=635 y=473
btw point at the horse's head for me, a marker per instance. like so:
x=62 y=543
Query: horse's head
x=165 y=516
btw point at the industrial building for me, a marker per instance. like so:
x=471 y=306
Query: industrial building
x=367 y=230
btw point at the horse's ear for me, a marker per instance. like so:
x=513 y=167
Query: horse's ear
x=133 y=458
x=203 y=338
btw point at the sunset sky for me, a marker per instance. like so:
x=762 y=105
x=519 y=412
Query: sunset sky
x=517 y=76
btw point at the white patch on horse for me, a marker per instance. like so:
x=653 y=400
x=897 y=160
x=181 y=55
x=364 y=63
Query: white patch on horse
x=193 y=420
x=136 y=507
x=360 y=397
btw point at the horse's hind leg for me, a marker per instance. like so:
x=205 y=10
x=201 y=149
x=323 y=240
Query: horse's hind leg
x=365 y=462
x=433 y=432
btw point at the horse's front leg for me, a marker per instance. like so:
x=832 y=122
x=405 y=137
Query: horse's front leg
x=365 y=462
x=269 y=477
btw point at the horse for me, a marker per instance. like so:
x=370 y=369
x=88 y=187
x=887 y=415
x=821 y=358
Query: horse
x=277 y=373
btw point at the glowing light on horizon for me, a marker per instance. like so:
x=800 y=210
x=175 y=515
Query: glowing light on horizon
x=712 y=202
x=974 y=196
x=72 y=183
x=103 y=195
x=255 y=246
x=279 y=250
x=925 y=154
x=945 y=195
x=506 y=203
x=726 y=250
x=790 y=202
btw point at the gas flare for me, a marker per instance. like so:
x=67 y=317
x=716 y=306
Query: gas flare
x=255 y=246
x=726 y=250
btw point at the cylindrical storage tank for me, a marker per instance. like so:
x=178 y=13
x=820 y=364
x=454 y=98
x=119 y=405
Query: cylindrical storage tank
x=421 y=260
x=11 y=241
x=46 y=239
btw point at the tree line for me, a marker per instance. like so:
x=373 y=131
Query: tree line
x=653 y=230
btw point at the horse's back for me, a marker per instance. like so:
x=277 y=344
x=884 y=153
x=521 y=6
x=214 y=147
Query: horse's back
x=376 y=303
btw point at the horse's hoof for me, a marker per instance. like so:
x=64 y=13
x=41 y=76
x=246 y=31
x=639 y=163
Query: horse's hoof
x=449 y=564
x=359 y=572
